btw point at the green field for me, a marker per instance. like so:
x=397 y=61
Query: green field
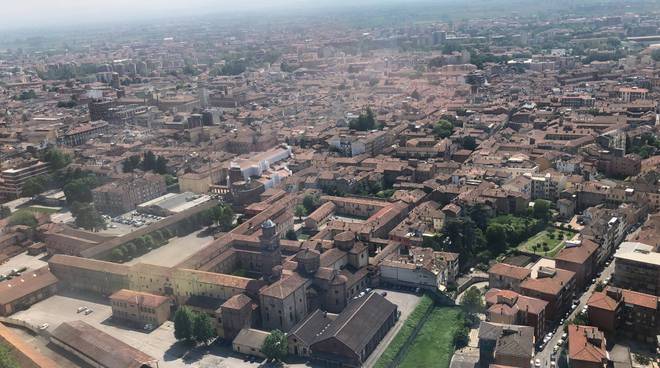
x=404 y=333
x=553 y=244
x=434 y=345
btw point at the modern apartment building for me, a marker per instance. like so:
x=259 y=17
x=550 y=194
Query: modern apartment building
x=12 y=180
x=124 y=195
x=637 y=267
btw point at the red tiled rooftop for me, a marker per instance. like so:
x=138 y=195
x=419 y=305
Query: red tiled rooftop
x=601 y=300
x=580 y=348
x=515 y=272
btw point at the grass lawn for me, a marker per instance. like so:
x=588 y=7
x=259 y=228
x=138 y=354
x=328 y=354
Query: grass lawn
x=406 y=330
x=554 y=244
x=434 y=345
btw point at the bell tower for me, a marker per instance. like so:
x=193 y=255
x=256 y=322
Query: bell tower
x=271 y=255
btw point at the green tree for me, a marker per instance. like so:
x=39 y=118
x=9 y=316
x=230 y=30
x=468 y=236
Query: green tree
x=169 y=179
x=34 y=186
x=26 y=95
x=469 y=143
x=160 y=167
x=461 y=337
x=131 y=163
x=87 y=217
x=132 y=249
x=23 y=218
x=275 y=346
x=148 y=161
x=7 y=359
x=599 y=286
x=364 y=122
x=541 y=210
x=581 y=319
x=80 y=190
x=56 y=158
x=223 y=215
x=183 y=324
x=139 y=244
x=203 y=331
x=311 y=202
x=117 y=255
x=4 y=212
x=496 y=234
x=300 y=211
x=148 y=241
x=443 y=129
x=291 y=235
x=472 y=301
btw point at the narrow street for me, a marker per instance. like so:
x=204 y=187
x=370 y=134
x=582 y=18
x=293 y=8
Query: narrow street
x=545 y=355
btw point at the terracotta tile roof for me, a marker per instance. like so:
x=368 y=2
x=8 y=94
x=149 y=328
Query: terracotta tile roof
x=28 y=283
x=601 y=300
x=640 y=299
x=549 y=285
x=284 y=287
x=586 y=344
x=578 y=254
x=520 y=302
x=140 y=298
x=515 y=272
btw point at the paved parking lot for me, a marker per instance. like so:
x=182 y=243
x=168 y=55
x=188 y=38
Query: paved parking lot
x=175 y=251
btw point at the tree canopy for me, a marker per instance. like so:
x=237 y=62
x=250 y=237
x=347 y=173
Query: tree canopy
x=443 y=129
x=300 y=211
x=56 y=158
x=223 y=216
x=80 y=190
x=23 y=218
x=34 y=186
x=364 y=122
x=202 y=329
x=541 y=210
x=469 y=143
x=183 y=324
x=87 y=217
x=311 y=202
x=275 y=346
x=147 y=162
x=472 y=301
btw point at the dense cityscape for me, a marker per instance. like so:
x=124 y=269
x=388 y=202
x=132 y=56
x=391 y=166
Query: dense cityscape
x=408 y=184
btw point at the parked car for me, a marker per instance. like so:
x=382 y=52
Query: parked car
x=43 y=326
x=81 y=309
x=88 y=311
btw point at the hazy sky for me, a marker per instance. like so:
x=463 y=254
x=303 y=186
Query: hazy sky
x=36 y=13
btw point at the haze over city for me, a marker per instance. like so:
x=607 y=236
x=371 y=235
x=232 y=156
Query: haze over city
x=307 y=184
